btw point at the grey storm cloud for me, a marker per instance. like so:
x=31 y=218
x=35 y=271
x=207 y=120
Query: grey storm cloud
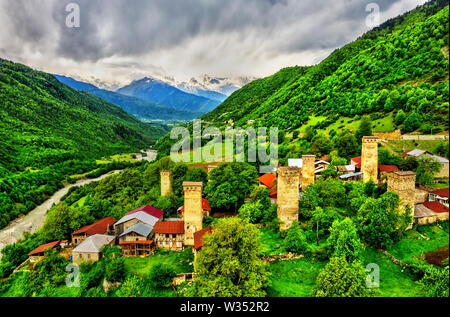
x=257 y=29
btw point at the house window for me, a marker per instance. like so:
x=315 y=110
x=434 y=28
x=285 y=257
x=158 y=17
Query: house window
x=88 y=256
x=167 y=235
x=80 y=256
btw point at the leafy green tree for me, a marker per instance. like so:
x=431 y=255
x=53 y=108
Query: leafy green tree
x=228 y=264
x=400 y=117
x=380 y=221
x=435 y=282
x=344 y=240
x=443 y=149
x=365 y=129
x=320 y=144
x=229 y=184
x=132 y=287
x=412 y=122
x=115 y=270
x=347 y=145
x=160 y=276
x=426 y=170
x=295 y=240
x=342 y=279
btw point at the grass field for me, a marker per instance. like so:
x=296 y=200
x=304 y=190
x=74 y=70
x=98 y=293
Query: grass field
x=401 y=145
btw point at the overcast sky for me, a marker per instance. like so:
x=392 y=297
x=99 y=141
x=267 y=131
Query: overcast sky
x=120 y=40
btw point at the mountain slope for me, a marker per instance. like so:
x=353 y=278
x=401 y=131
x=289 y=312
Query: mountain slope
x=403 y=64
x=162 y=93
x=145 y=110
x=44 y=121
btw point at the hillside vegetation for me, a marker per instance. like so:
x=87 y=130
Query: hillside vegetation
x=49 y=131
x=400 y=67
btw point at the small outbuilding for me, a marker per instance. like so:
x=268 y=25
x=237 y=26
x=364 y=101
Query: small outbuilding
x=90 y=249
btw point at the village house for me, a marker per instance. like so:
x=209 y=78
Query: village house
x=198 y=239
x=384 y=170
x=90 y=249
x=206 y=207
x=103 y=226
x=136 y=240
x=353 y=177
x=440 y=195
x=267 y=180
x=147 y=215
x=429 y=212
x=40 y=251
x=444 y=173
x=319 y=166
x=169 y=235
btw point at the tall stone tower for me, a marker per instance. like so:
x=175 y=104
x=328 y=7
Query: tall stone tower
x=166 y=182
x=404 y=184
x=369 y=158
x=308 y=170
x=193 y=213
x=288 y=194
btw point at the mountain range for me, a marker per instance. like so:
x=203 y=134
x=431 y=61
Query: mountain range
x=142 y=109
x=160 y=92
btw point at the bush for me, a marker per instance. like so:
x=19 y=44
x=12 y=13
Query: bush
x=295 y=240
x=115 y=270
x=160 y=276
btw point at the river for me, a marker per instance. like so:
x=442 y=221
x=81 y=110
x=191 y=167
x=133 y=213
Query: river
x=34 y=220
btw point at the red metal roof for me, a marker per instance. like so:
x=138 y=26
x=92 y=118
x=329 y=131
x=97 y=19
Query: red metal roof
x=268 y=180
x=356 y=159
x=44 y=247
x=387 y=168
x=98 y=227
x=152 y=211
x=174 y=227
x=198 y=237
x=435 y=206
x=136 y=242
x=205 y=205
x=441 y=192
x=405 y=153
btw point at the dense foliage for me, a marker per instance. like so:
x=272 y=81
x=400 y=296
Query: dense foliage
x=399 y=66
x=50 y=131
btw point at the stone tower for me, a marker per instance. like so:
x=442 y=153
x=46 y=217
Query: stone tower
x=404 y=184
x=166 y=182
x=288 y=194
x=308 y=170
x=369 y=158
x=193 y=213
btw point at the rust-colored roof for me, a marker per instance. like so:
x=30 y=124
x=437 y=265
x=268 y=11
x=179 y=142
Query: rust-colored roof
x=441 y=192
x=356 y=159
x=174 y=227
x=273 y=193
x=44 y=247
x=198 y=237
x=268 y=180
x=152 y=211
x=436 y=206
x=98 y=227
x=387 y=168
x=136 y=242
x=205 y=205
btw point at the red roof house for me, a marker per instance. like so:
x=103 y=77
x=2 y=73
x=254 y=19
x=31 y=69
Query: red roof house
x=98 y=227
x=268 y=180
x=198 y=237
x=355 y=160
x=436 y=206
x=441 y=192
x=169 y=227
x=387 y=168
x=152 y=211
x=39 y=251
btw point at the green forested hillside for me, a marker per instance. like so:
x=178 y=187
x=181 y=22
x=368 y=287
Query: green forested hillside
x=49 y=131
x=401 y=65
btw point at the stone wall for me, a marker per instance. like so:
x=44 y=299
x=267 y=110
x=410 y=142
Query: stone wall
x=193 y=213
x=404 y=184
x=166 y=182
x=396 y=135
x=369 y=158
x=308 y=170
x=288 y=194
